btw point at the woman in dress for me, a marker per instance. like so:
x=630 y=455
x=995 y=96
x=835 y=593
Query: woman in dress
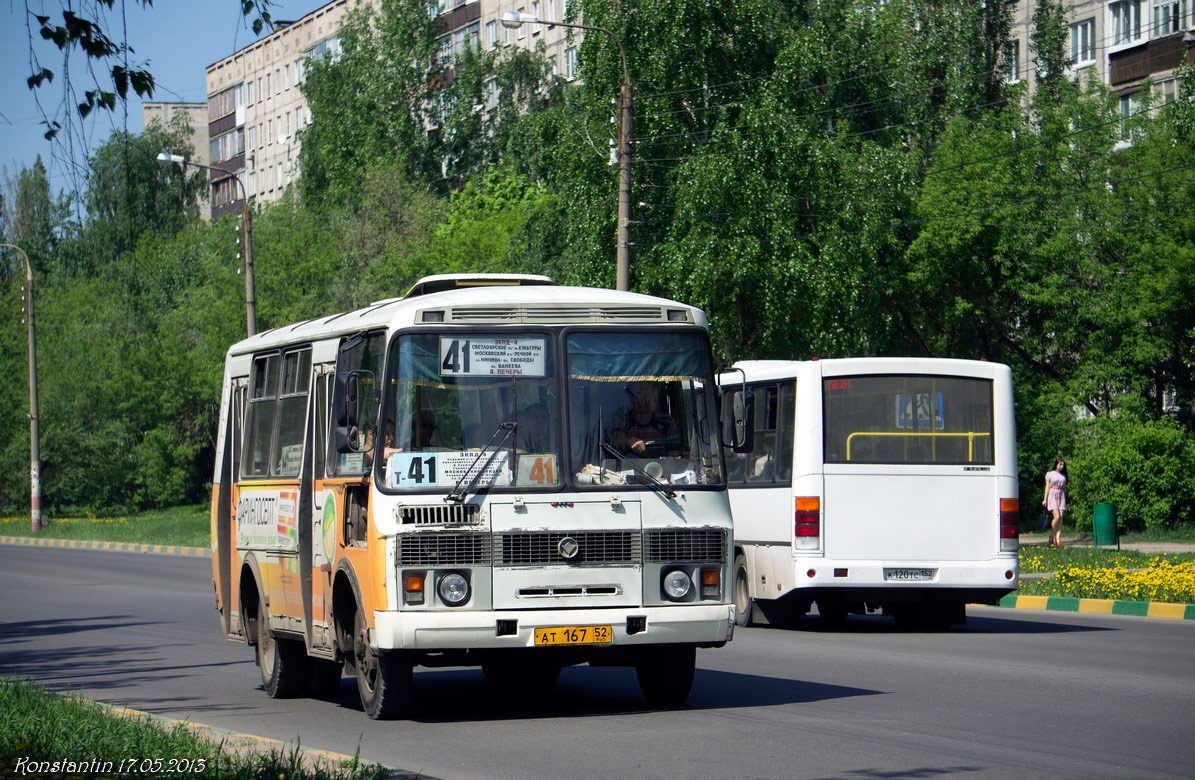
x=1054 y=500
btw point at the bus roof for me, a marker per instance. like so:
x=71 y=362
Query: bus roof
x=783 y=369
x=510 y=304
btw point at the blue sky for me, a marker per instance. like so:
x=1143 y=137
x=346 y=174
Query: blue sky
x=177 y=39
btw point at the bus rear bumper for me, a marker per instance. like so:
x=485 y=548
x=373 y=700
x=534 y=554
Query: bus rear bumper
x=708 y=625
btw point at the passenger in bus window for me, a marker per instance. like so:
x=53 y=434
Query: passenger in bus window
x=644 y=426
x=534 y=433
x=388 y=447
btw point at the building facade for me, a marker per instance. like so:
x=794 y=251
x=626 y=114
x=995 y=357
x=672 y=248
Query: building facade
x=1120 y=43
x=164 y=114
x=255 y=107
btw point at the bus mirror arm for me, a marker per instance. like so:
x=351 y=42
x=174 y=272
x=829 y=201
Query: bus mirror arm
x=348 y=387
x=742 y=412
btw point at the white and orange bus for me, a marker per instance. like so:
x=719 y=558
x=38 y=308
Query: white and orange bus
x=875 y=484
x=491 y=471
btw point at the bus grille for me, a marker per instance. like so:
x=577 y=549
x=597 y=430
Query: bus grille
x=537 y=548
x=443 y=514
x=443 y=549
x=556 y=314
x=682 y=544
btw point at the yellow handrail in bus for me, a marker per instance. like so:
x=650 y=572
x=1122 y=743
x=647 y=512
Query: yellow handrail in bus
x=969 y=434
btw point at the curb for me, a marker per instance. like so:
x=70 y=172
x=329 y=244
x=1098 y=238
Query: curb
x=155 y=549
x=1154 y=609
x=237 y=741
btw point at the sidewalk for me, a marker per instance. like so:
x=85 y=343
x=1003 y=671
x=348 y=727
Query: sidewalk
x=1039 y=540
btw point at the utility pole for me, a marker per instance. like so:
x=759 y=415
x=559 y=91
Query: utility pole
x=35 y=521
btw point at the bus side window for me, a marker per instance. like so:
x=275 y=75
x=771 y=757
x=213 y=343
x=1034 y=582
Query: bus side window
x=259 y=423
x=356 y=506
x=784 y=442
x=292 y=412
x=761 y=464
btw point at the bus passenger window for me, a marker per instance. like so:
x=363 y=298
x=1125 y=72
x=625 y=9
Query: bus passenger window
x=784 y=443
x=259 y=427
x=761 y=464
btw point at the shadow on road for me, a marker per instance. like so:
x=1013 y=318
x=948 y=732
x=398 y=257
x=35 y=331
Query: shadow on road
x=462 y=695
x=902 y=774
x=976 y=624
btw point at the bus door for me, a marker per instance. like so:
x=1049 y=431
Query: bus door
x=322 y=520
x=223 y=544
x=908 y=468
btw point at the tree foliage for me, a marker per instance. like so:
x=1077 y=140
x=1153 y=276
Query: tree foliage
x=822 y=178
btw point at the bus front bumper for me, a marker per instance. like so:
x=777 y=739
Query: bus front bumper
x=704 y=624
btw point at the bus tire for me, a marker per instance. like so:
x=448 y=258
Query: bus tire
x=323 y=679
x=282 y=662
x=384 y=680
x=741 y=593
x=666 y=674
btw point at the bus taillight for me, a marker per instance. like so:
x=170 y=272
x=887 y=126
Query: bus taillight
x=807 y=522
x=1010 y=515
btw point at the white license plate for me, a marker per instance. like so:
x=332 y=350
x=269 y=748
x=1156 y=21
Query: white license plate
x=910 y=575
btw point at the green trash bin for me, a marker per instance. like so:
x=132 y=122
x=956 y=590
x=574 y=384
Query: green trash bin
x=1103 y=525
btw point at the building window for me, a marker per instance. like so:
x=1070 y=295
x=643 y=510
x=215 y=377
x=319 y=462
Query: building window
x=1012 y=62
x=269 y=131
x=269 y=84
x=491 y=94
x=1130 y=107
x=298 y=118
x=261 y=136
x=444 y=52
x=1169 y=90
x=249 y=93
x=491 y=34
x=227 y=146
x=251 y=185
x=1083 y=42
x=1170 y=16
x=288 y=124
x=280 y=135
x=298 y=71
x=1125 y=22
x=286 y=82
x=522 y=27
x=550 y=11
x=552 y=65
x=570 y=63
x=252 y=137
x=278 y=81
x=535 y=26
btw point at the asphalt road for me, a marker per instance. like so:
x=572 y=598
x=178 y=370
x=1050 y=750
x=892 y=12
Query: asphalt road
x=1014 y=693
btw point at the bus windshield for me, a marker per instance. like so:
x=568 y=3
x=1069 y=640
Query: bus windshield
x=465 y=405
x=908 y=419
x=641 y=408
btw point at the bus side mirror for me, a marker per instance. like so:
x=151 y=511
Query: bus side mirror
x=347 y=397
x=742 y=429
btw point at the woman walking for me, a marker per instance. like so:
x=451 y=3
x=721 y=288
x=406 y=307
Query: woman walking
x=1054 y=500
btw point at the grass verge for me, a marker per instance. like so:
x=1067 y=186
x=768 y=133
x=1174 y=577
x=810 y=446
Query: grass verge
x=39 y=730
x=187 y=526
x=1109 y=574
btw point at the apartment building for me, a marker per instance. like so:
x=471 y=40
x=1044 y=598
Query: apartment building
x=1120 y=43
x=255 y=107
x=163 y=113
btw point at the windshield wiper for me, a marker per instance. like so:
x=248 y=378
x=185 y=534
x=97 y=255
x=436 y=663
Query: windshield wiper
x=456 y=494
x=651 y=481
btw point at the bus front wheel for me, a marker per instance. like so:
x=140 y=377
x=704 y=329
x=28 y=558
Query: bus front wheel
x=283 y=662
x=383 y=679
x=742 y=593
x=666 y=675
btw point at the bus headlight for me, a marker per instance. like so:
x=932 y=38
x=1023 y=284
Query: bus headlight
x=677 y=584
x=453 y=589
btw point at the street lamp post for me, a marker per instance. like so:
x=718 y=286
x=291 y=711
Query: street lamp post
x=34 y=436
x=246 y=236
x=513 y=19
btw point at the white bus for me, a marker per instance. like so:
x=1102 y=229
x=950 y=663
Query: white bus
x=491 y=471
x=874 y=484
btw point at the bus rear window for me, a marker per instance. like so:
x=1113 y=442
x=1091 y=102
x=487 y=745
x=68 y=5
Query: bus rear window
x=907 y=419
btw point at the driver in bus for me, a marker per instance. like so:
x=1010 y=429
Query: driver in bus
x=645 y=424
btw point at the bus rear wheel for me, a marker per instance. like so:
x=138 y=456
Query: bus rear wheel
x=742 y=593
x=384 y=680
x=283 y=662
x=666 y=675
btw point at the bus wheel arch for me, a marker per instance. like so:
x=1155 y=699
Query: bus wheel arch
x=250 y=598
x=740 y=580
x=346 y=601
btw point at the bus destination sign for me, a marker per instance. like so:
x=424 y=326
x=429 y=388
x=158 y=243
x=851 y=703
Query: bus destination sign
x=506 y=356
